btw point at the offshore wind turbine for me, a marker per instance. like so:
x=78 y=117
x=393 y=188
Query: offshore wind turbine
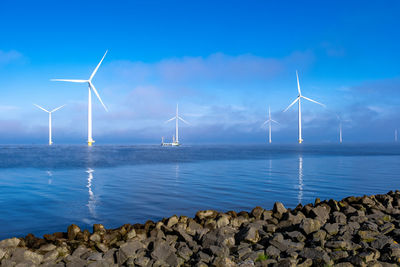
x=395 y=135
x=50 y=137
x=298 y=99
x=269 y=121
x=176 y=118
x=91 y=87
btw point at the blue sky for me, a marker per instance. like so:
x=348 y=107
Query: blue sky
x=223 y=62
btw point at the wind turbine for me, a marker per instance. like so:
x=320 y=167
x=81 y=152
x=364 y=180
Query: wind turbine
x=91 y=87
x=177 y=118
x=50 y=140
x=298 y=99
x=269 y=124
x=395 y=135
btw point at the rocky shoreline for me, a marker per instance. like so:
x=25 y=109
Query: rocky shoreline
x=355 y=231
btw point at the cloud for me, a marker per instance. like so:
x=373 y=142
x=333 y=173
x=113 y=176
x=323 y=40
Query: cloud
x=9 y=57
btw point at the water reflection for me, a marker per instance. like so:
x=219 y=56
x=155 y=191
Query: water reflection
x=300 y=194
x=92 y=200
x=50 y=174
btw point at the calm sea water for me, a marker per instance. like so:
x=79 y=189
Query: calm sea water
x=44 y=189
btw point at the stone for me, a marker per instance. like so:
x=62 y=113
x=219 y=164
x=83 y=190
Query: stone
x=47 y=247
x=296 y=236
x=309 y=225
x=10 y=243
x=128 y=250
x=102 y=247
x=320 y=213
x=332 y=228
x=172 y=221
x=279 y=209
x=98 y=228
x=201 y=215
x=73 y=230
x=131 y=234
x=257 y=212
x=317 y=255
x=23 y=255
x=50 y=256
x=249 y=234
x=273 y=252
x=222 y=220
x=95 y=237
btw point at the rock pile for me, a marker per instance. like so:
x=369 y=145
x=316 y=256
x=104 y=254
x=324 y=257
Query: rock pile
x=356 y=231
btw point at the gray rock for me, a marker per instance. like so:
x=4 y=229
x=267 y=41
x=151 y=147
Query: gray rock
x=95 y=238
x=10 y=243
x=320 y=213
x=317 y=255
x=249 y=234
x=279 y=209
x=73 y=230
x=273 y=252
x=332 y=228
x=128 y=250
x=95 y=256
x=296 y=236
x=162 y=251
x=50 y=256
x=309 y=225
x=339 y=218
x=23 y=255
x=172 y=221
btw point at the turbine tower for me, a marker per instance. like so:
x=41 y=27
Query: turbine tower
x=50 y=139
x=340 y=132
x=91 y=87
x=395 y=135
x=298 y=99
x=269 y=120
x=177 y=118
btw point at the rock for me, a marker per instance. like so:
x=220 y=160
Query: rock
x=205 y=214
x=309 y=225
x=320 y=213
x=279 y=209
x=98 y=228
x=273 y=252
x=296 y=236
x=10 y=243
x=47 y=248
x=257 y=212
x=23 y=255
x=50 y=256
x=317 y=255
x=128 y=250
x=162 y=251
x=73 y=230
x=172 y=221
x=131 y=234
x=224 y=262
x=95 y=237
x=249 y=234
x=222 y=220
x=339 y=218
x=332 y=228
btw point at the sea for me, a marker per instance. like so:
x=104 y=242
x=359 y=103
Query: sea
x=44 y=189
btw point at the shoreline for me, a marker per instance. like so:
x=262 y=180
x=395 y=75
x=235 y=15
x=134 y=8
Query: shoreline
x=355 y=231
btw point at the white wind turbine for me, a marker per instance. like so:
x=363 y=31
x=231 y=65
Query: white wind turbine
x=91 y=87
x=269 y=120
x=298 y=99
x=177 y=118
x=50 y=139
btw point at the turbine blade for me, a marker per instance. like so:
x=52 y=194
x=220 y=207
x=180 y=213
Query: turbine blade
x=41 y=108
x=57 y=108
x=265 y=122
x=313 y=101
x=69 y=80
x=275 y=121
x=292 y=104
x=95 y=70
x=298 y=83
x=183 y=120
x=97 y=94
x=170 y=119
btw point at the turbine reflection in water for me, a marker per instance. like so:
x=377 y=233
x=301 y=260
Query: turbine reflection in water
x=50 y=174
x=300 y=195
x=92 y=200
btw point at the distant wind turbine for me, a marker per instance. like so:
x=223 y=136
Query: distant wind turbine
x=177 y=118
x=298 y=99
x=269 y=120
x=395 y=135
x=50 y=138
x=91 y=87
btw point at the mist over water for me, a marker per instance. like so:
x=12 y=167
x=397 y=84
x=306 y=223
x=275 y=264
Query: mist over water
x=45 y=189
